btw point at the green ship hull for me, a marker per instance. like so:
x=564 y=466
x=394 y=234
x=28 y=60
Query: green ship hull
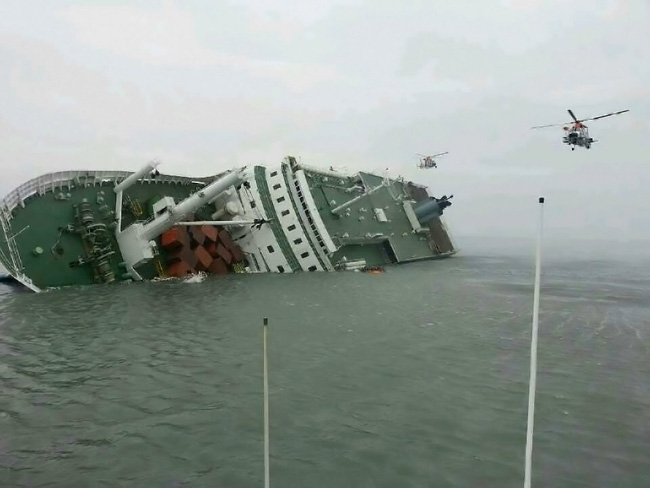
x=104 y=227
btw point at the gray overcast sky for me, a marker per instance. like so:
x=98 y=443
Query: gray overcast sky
x=207 y=85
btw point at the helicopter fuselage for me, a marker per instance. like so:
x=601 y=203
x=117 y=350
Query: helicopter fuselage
x=577 y=135
x=427 y=165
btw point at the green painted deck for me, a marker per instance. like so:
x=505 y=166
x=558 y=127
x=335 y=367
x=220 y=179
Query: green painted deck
x=406 y=245
x=47 y=252
x=38 y=226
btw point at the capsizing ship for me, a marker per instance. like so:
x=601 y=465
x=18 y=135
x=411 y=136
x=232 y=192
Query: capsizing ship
x=92 y=227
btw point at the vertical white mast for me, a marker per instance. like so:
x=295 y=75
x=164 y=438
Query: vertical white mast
x=267 y=479
x=533 y=350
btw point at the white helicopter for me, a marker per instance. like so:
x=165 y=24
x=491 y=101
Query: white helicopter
x=427 y=162
x=576 y=133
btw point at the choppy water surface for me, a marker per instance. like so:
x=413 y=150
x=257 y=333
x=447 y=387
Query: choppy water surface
x=415 y=377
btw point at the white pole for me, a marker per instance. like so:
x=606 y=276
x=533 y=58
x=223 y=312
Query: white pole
x=131 y=179
x=533 y=350
x=267 y=479
x=217 y=222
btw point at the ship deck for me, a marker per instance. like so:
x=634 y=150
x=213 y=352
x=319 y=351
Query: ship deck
x=37 y=220
x=329 y=192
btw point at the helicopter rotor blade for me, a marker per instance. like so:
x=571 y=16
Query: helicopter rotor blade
x=579 y=121
x=573 y=116
x=549 y=125
x=606 y=115
x=440 y=154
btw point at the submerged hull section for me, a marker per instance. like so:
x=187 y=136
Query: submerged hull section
x=93 y=227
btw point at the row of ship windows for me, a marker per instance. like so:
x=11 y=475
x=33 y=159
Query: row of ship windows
x=305 y=254
x=311 y=222
x=311 y=268
x=277 y=186
x=290 y=228
x=284 y=213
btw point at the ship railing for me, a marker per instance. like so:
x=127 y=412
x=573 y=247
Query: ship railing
x=12 y=261
x=59 y=180
x=64 y=179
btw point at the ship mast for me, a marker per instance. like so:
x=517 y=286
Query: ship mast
x=126 y=183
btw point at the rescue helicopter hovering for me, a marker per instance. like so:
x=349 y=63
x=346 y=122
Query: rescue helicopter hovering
x=576 y=133
x=427 y=162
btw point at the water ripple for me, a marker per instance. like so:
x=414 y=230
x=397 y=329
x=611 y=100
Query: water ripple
x=417 y=377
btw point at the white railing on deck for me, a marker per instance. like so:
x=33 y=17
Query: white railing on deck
x=59 y=180
x=51 y=182
x=13 y=262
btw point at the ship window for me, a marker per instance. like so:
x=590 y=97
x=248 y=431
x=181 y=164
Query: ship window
x=280 y=200
x=270 y=248
x=277 y=187
x=285 y=212
x=280 y=269
x=297 y=241
x=253 y=204
x=274 y=174
x=304 y=254
x=312 y=268
x=291 y=227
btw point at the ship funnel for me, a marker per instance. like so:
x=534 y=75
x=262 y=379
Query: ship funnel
x=136 y=241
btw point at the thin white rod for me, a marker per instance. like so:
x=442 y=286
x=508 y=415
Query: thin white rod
x=267 y=478
x=118 y=211
x=533 y=350
x=217 y=222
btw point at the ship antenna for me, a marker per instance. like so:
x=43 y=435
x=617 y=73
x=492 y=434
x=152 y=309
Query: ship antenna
x=533 y=350
x=267 y=479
